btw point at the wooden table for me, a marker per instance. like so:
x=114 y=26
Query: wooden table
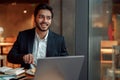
x=2 y=45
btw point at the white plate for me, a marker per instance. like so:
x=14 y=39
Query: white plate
x=30 y=72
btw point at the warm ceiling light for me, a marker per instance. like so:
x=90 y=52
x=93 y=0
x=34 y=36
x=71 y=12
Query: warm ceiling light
x=25 y=11
x=14 y=3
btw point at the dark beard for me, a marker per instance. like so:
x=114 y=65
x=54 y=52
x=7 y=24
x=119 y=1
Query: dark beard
x=41 y=29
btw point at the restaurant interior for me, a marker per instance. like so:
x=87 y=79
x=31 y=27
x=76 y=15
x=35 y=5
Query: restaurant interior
x=104 y=31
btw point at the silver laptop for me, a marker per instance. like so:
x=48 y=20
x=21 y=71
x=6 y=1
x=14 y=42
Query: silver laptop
x=59 y=68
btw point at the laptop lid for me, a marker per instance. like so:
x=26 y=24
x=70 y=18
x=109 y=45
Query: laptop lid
x=59 y=68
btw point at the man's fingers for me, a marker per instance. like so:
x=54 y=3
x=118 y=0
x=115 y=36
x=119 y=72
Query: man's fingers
x=25 y=58
x=28 y=58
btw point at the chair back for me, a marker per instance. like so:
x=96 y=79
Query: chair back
x=107 y=49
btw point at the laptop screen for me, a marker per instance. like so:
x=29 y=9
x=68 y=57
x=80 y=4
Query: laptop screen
x=59 y=68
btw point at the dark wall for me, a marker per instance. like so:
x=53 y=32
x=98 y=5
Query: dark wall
x=71 y=17
x=81 y=34
x=64 y=21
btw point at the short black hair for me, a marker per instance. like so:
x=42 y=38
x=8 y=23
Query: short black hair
x=43 y=6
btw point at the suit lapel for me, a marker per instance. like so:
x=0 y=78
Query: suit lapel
x=31 y=40
x=50 y=43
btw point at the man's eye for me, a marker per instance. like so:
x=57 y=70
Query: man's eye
x=41 y=16
x=48 y=18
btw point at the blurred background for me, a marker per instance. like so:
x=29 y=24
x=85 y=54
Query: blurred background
x=90 y=27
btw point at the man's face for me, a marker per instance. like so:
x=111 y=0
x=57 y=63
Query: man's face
x=43 y=20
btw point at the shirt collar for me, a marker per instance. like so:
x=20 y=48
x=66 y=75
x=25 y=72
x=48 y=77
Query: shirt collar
x=45 y=38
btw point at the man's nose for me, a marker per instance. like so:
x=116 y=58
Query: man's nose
x=45 y=19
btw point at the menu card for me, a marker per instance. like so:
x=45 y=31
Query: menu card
x=11 y=71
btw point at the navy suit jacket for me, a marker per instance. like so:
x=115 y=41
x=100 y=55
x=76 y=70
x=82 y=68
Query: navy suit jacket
x=24 y=45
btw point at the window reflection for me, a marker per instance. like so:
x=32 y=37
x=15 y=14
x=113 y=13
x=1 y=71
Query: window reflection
x=104 y=27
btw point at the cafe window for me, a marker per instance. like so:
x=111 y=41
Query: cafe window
x=104 y=34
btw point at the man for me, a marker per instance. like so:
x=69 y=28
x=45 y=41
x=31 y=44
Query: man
x=38 y=42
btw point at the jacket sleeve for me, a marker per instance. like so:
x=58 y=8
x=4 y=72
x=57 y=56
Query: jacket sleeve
x=63 y=48
x=15 y=55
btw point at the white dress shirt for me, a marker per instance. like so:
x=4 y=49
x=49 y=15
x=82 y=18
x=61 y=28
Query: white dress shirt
x=39 y=47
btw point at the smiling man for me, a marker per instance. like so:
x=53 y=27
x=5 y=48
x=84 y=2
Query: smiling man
x=38 y=42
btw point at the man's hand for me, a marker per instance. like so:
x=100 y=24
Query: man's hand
x=28 y=58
